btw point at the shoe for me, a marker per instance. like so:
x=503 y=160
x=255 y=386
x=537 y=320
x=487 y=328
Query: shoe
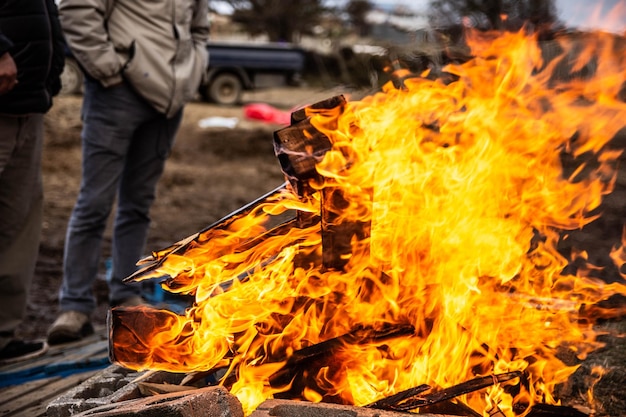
x=134 y=301
x=70 y=326
x=21 y=350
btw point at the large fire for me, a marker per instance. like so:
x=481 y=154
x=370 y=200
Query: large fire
x=460 y=191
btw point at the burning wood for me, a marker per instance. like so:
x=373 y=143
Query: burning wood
x=128 y=325
x=298 y=367
x=152 y=263
x=299 y=148
x=416 y=398
x=439 y=206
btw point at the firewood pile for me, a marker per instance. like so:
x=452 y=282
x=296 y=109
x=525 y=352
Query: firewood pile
x=467 y=271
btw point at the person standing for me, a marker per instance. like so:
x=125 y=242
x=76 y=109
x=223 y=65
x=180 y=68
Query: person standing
x=31 y=61
x=144 y=60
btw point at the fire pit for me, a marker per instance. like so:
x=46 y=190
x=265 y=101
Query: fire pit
x=414 y=245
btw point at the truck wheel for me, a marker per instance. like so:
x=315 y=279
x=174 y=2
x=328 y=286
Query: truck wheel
x=225 y=89
x=71 y=78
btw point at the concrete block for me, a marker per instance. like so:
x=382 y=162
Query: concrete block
x=202 y=402
x=111 y=385
x=286 y=408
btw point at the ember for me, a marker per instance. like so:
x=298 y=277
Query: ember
x=436 y=207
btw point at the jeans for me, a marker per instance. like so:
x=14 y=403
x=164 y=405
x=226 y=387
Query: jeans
x=125 y=143
x=21 y=204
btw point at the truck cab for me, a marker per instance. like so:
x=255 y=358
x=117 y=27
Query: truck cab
x=236 y=67
x=233 y=68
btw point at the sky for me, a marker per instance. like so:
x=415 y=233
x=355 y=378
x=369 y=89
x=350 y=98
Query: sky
x=584 y=14
x=609 y=15
x=416 y=5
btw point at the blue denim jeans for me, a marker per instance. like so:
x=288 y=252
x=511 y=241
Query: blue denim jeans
x=125 y=143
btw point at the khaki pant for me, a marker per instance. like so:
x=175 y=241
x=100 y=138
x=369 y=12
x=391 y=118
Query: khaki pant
x=21 y=204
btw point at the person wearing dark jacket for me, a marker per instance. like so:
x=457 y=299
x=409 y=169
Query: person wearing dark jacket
x=31 y=61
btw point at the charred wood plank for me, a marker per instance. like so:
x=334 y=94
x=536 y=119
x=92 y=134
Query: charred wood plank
x=300 y=146
x=226 y=285
x=337 y=236
x=357 y=336
x=156 y=259
x=388 y=402
x=335 y=102
x=133 y=337
x=412 y=402
x=548 y=410
x=302 y=358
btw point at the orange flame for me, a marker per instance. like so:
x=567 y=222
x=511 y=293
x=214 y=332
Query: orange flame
x=463 y=188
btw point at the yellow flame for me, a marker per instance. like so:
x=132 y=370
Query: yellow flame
x=463 y=189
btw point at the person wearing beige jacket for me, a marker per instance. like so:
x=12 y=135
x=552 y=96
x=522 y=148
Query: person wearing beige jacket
x=143 y=61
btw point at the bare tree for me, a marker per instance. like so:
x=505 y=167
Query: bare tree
x=357 y=11
x=281 y=20
x=493 y=14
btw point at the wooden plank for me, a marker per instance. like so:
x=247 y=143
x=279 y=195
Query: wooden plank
x=82 y=359
x=337 y=236
x=94 y=349
x=299 y=148
x=41 y=397
x=9 y=394
x=34 y=411
x=57 y=352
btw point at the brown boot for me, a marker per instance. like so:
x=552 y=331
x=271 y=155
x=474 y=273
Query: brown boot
x=69 y=327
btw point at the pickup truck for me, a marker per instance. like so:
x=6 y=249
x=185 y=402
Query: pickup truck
x=233 y=68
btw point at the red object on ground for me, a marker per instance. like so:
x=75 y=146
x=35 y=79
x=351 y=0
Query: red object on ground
x=267 y=113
